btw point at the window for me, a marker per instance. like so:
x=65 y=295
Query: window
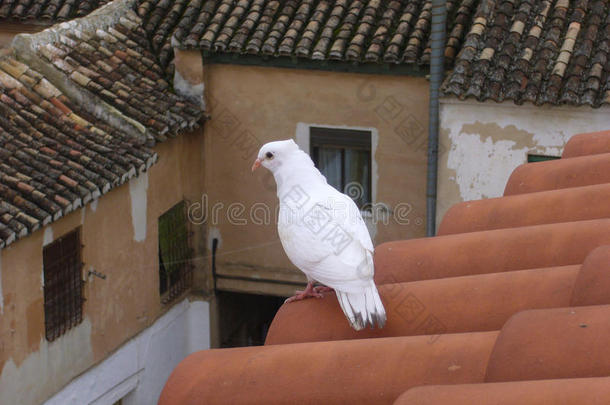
x=343 y=156
x=175 y=268
x=63 y=285
x=531 y=158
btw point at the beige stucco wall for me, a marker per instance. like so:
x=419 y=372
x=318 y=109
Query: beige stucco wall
x=482 y=143
x=119 y=234
x=250 y=106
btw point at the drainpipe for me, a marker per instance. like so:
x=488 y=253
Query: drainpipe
x=437 y=41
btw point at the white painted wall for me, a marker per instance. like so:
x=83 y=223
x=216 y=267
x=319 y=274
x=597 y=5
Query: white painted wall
x=137 y=192
x=138 y=370
x=482 y=143
x=46 y=368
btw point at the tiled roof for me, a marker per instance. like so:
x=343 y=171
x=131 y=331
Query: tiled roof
x=525 y=295
x=47 y=10
x=81 y=103
x=543 y=52
x=115 y=64
x=356 y=31
x=54 y=156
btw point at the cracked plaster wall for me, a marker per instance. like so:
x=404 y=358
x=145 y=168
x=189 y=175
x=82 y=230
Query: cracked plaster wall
x=482 y=143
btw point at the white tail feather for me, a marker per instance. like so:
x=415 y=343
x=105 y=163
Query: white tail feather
x=364 y=308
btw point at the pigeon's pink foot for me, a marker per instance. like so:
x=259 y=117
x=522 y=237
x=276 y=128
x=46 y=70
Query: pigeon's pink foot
x=323 y=289
x=301 y=295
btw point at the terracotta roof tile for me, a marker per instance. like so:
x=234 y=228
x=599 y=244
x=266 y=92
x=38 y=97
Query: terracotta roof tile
x=47 y=10
x=54 y=156
x=58 y=152
x=534 y=345
x=543 y=52
x=543 y=324
x=359 y=31
x=116 y=65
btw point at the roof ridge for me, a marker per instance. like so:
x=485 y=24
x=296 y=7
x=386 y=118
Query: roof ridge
x=97 y=58
x=26 y=46
x=104 y=17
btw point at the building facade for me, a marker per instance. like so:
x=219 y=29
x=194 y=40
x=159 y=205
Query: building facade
x=102 y=275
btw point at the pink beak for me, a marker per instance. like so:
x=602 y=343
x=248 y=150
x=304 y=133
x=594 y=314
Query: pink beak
x=256 y=165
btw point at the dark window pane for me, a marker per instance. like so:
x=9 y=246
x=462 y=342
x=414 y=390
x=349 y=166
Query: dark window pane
x=357 y=175
x=329 y=164
x=344 y=157
x=540 y=158
x=162 y=275
x=340 y=137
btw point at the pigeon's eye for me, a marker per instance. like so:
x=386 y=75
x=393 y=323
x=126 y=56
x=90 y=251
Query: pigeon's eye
x=269 y=155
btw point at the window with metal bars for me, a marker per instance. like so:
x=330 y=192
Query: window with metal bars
x=175 y=267
x=63 y=285
x=343 y=156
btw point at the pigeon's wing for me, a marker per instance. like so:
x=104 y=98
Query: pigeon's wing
x=357 y=228
x=336 y=248
x=346 y=214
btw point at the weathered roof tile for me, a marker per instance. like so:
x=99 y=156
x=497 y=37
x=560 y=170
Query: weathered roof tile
x=362 y=31
x=47 y=10
x=551 y=52
x=47 y=149
x=55 y=155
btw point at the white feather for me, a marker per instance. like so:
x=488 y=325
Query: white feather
x=323 y=233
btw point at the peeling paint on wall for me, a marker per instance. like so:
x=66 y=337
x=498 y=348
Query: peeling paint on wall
x=138 y=188
x=481 y=164
x=48 y=235
x=214 y=233
x=192 y=92
x=93 y=204
x=136 y=372
x=188 y=76
x=482 y=143
x=47 y=369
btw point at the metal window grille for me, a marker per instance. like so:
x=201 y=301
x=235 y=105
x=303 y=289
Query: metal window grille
x=175 y=267
x=63 y=285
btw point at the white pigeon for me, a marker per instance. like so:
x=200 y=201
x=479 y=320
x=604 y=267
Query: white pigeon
x=323 y=234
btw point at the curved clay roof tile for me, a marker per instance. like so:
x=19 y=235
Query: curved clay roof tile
x=590 y=143
x=544 y=207
x=561 y=173
x=493 y=251
x=590 y=391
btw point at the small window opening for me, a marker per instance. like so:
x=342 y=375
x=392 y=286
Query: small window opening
x=175 y=267
x=63 y=285
x=531 y=158
x=343 y=156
